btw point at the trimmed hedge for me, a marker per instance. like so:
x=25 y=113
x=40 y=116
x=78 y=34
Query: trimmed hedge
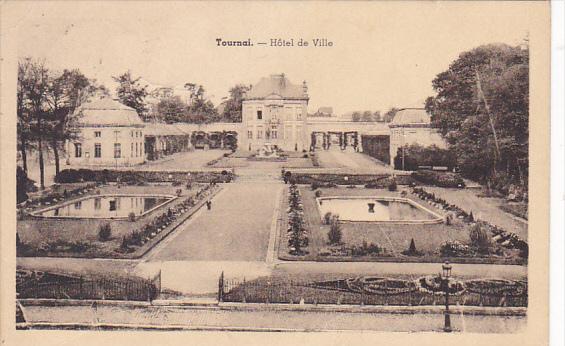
x=441 y=179
x=323 y=179
x=106 y=175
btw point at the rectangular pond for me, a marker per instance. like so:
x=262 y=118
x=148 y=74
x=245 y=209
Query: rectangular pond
x=377 y=209
x=106 y=206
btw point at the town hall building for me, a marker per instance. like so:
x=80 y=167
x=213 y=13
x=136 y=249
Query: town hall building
x=274 y=113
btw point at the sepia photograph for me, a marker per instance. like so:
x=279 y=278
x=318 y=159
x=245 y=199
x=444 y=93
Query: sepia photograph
x=277 y=167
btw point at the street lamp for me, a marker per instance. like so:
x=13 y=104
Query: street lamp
x=445 y=274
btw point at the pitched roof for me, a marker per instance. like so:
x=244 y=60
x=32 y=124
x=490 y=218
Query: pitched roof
x=108 y=112
x=411 y=116
x=161 y=129
x=276 y=85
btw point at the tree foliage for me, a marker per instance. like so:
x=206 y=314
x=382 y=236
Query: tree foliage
x=47 y=101
x=132 y=93
x=233 y=106
x=172 y=109
x=410 y=157
x=481 y=108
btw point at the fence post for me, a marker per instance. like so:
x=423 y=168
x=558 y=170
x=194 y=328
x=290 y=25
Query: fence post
x=149 y=285
x=244 y=290
x=386 y=292
x=221 y=287
x=80 y=288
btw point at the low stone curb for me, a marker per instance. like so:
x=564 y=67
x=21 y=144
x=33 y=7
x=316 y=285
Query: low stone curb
x=121 y=326
x=227 y=306
x=182 y=220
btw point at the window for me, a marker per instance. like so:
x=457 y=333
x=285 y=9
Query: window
x=116 y=134
x=259 y=134
x=97 y=134
x=97 y=150
x=97 y=203
x=131 y=151
x=131 y=134
x=136 y=149
x=259 y=115
x=274 y=134
x=78 y=150
x=250 y=134
x=117 y=150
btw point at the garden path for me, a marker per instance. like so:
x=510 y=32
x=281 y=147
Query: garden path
x=234 y=236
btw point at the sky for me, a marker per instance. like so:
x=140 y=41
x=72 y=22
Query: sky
x=384 y=54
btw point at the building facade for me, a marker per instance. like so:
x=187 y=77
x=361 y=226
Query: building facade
x=110 y=134
x=274 y=111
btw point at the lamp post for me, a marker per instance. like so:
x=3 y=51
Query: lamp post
x=445 y=274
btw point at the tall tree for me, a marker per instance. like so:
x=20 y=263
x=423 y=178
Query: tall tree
x=23 y=109
x=35 y=86
x=132 y=93
x=356 y=116
x=389 y=115
x=66 y=92
x=367 y=116
x=172 y=109
x=377 y=116
x=200 y=109
x=233 y=108
x=481 y=107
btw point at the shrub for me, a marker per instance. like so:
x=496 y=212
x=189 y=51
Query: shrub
x=453 y=249
x=471 y=218
x=366 y=249
x=318 y=193
x=176 y=183
x=315 y=185
x=23 y=185
x=179 y=192
x=412 y=249
x=335 y=234
x=131 y=216
x=392 y=185
x=449 y=218
x=480 y=238
x=104 y=232
x=79 y=246
x=413 y=156
x=441 y=179
x=327 y=218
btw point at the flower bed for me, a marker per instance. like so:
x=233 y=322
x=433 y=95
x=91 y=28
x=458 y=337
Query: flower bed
x=376 y=180
x=105 y=175
x=371 y=290
x=55 y=197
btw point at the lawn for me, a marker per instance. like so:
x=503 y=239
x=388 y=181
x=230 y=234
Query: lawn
x=484 y=208
x=394 y=238
x=80 y=237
